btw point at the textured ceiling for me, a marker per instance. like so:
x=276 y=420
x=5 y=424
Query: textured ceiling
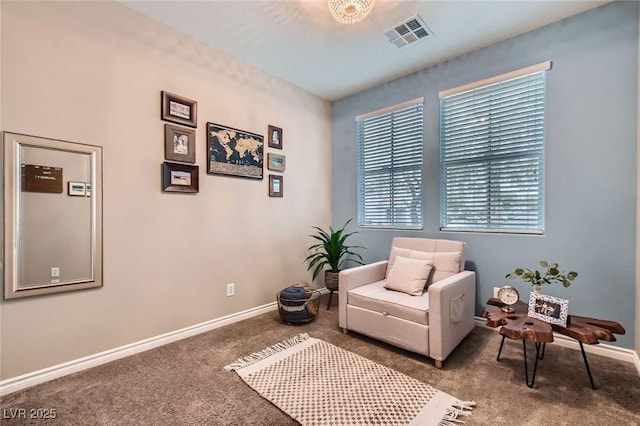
x=298 y=40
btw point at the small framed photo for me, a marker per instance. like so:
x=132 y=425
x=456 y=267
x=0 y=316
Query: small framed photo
x=179 y=144
x=77 y=189
x=180 y=177
x=275 y=186
x=275 y=137
x=548 y=309
x=179 y=110
x=276 y=162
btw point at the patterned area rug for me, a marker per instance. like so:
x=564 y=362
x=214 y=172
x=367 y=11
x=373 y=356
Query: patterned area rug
x=317 y=383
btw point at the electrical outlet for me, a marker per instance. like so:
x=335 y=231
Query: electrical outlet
x=55 y=272
x=231 y=289
x=495 y=291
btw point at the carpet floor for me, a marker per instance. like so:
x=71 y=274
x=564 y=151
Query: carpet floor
x=183 y=383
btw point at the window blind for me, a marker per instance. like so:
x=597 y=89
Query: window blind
x=492 y=157
x=390 y=151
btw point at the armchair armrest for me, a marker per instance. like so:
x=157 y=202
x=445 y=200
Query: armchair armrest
x=451 y=312
x=356 y=277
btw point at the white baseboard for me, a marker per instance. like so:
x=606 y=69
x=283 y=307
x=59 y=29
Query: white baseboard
x=31 y=379
x=24 y=381
x=603 y=349
x=15 y=384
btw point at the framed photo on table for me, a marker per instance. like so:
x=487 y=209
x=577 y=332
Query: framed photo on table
x=179 y=110
x=180 y=177
x=548 y=309
x=179 y=144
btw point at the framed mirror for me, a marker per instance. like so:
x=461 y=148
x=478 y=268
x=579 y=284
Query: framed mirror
x=53 y=216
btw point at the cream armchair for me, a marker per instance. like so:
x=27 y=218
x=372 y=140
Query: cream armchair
x=421 y=299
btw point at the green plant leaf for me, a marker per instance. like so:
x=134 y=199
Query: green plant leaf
x=313 y=262
x=331 y=250
x=317 y=270
x=551 y=275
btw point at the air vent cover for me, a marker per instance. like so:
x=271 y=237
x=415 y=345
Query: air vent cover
x=407 y=32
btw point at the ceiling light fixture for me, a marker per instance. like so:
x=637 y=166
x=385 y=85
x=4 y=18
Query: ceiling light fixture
x=350 y=11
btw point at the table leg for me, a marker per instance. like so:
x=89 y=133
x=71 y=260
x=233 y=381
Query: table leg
x=500 y=351
x=539 y=355
x=586 y=364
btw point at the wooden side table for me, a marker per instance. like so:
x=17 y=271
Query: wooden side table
x=518 y=325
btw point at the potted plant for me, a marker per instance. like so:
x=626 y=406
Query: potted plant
x=537 y=278
x=331 y=251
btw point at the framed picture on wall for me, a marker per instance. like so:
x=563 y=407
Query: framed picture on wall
x=276 y=162
x=180 y=177
x=179 y=143
x=275 y=186
x=234 y=152
x=275 y=137
x=179 y=110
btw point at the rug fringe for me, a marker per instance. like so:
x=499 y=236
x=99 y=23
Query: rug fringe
x=457 y=409
x=263 y=354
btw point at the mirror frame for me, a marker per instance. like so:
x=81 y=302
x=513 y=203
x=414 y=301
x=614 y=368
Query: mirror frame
x=11 y=209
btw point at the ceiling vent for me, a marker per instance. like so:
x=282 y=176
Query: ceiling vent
x=407 y=32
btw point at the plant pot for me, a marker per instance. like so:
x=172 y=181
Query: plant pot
x=537 y=289
x=331 y=280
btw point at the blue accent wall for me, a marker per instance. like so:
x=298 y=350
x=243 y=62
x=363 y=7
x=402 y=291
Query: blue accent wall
x=590 y=175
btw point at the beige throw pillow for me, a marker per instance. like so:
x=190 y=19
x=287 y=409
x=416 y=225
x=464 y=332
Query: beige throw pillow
x=409 y=275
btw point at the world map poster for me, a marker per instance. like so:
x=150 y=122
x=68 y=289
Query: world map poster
x=234 y=152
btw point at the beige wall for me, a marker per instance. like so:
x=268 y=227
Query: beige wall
x=92 y=73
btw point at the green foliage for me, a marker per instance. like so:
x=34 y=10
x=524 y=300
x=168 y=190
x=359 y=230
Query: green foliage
x=551 y=275
x=331 y=250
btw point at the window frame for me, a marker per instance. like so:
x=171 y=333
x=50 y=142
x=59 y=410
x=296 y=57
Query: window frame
x=496 y=154
x=401 y=138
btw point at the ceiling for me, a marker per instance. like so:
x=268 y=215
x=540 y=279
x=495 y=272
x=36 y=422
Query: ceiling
x=298 y=40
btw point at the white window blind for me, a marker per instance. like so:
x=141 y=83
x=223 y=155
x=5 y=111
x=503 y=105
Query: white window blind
x=390 y=151
x=492 y=156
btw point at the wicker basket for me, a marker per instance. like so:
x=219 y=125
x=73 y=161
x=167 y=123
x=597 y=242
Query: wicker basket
x=299 y=311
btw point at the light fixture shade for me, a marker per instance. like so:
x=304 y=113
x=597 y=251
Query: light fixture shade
x=350 y=11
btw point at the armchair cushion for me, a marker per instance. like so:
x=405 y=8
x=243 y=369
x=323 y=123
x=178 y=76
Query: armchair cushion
x=409 y=275
x=374 y=297
x=445 y=264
